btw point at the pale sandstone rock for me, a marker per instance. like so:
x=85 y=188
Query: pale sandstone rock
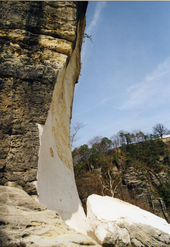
x=112 y=222
x=59 y=45
x=40 y=45
x=23 y=219
x=13 y=184
x=56 y=183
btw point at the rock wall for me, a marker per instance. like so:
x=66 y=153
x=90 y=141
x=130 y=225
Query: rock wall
x=133 y=185
x=141 y=188
x=40 y=44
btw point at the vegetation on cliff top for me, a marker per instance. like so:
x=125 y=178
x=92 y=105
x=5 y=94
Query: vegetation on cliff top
x=133 y=149
x=104 y=164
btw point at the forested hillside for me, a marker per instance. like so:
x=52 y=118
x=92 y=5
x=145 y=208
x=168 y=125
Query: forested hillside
x=132 y=167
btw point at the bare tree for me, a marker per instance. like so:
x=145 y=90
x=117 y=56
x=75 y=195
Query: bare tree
x=160 y=129
x=87 y=36
x=74 y=130
x=109 y=187
x=138 y=136
x=95 y=140
x=115 y=140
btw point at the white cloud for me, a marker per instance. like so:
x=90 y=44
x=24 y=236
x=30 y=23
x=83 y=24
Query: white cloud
x=93 y=107
x=96 y=16
x=93 y=23
x=162 y=69
x=153 y=90
x=95 y=20
x=104 y=101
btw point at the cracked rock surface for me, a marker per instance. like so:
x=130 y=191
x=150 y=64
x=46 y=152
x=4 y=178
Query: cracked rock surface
x=23 y=219
x=112 y=222
x=37 y=40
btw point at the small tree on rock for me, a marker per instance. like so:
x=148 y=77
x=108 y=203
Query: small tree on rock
x=73 y=132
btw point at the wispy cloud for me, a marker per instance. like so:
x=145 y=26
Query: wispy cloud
x=96 y=16
x=162 y=69
x=93 y=107
x=104 y=101
x=153 y=90
x=93 y=23
x=151 y=126
x=89 y=30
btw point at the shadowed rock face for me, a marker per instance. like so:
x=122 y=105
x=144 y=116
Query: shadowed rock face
x=40 y=44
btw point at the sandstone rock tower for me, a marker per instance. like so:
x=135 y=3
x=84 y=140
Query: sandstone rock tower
x=40 y=64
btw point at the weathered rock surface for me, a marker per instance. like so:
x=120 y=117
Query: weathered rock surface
x=113 y=222
x=37 y=40
x=135 y=186
x=141 y=188
x=23 y=219
x=40 y=45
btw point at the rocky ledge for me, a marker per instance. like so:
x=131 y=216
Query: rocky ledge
x=112 y=222
x=24 y=220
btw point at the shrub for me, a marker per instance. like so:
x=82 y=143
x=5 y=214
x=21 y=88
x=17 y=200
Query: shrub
x=80 y=168
x=165 y=194
x=157 y=167
x=166 y=160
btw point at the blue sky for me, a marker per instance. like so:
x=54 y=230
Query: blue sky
x=125 y=75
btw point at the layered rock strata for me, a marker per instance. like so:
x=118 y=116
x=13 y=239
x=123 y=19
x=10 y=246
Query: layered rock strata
x=40 y=45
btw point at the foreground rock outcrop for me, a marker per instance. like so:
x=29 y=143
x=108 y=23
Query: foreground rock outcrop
x=24 y=220
x=40 y=44
x=110 y=222
x=113 y=222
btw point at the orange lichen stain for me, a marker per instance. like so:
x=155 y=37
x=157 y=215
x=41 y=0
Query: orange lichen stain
x=52 y=153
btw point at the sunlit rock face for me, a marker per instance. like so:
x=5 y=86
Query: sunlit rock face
x=40 y=44
x=26 y=221
x=112 y=222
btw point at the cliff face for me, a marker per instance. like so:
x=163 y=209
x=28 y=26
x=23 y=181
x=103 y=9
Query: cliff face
x=138 y=174
x=40 y=45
